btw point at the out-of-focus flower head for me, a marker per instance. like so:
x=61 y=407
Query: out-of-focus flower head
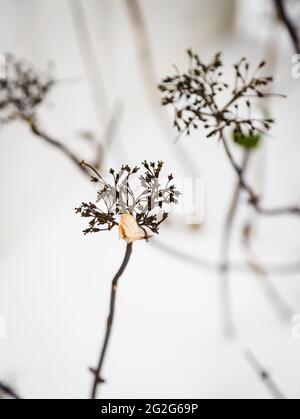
x=22 y=90
x=201 y=96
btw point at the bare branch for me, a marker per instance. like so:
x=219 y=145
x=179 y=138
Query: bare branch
x=287 y=21
x=98 y=372
x=57 y=144
x=282 y=308
x=146 y=62
x=264 y=376
x=8 y=391
x=227 y=316
x=253 y=198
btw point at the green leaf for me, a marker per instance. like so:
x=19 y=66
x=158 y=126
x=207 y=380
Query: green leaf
x=249 y=142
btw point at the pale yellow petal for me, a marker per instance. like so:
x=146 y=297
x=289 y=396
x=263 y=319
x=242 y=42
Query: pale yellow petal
x=129 y=229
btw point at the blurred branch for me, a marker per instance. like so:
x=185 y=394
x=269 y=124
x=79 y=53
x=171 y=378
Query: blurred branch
x=279 y=269
x=203 y=263
x=97 y=372
x=8 y=391
x=186 y=257
x=93 y=71
x=89 y=59
x=100 y=147
x=253 y=198
x=287 y=21
x=285 y=311
x=146 y=62
x=55 y=143
x=225 y=250
x=264 y=376
x=110 y=133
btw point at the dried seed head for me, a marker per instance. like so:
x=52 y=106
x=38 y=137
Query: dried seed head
x=142 y=203
x=22 y=91
x=196 y=96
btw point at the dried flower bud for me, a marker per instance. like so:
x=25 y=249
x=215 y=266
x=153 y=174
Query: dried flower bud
x=129 y=229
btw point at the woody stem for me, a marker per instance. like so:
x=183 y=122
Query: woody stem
x=97 y=373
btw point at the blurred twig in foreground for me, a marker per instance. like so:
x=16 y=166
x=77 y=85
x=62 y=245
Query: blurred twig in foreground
x=284 y=310
x=6 y=391
x=227 y=318
x=55 y=143
x=283 y=15
x=264 y=376
x=146 y=62
x=89 y=59
x=209 y=265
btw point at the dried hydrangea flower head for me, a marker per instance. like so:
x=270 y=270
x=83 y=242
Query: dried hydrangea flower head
x=197 y=97
x=22 y=90
x=135 y=213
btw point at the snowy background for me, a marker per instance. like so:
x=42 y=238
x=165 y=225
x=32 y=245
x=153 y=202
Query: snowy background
x=54 y=282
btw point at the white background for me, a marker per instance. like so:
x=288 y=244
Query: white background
x=54 y=282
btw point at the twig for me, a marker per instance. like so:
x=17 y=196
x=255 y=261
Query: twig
x=8 y=391
x=234 y=266
x=95 y=80
x=55 y=143
x=186 y=257
x=100 y=152
x=284 y=310
x=286 y=20
x=109 y=135
x=97 y=373
x=254 y=199
x=264 y=376
x=89 y=59
x=149 y=75
x=283 y=269
x=225 y=250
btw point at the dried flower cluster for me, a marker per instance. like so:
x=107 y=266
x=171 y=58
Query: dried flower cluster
x=22 y=90
x=197 y=97
x=148 y=206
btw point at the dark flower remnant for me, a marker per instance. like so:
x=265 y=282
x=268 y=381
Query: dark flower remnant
x=148 y=208
x=22 y=90
x=197 y=97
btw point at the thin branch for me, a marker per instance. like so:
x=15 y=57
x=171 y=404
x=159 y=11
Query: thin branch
x=279 y=269
x=94 y=75
x=93 y=170
x=55 y=143
x=284 y=310
x=110 y=134
x=283 y=269
x=264 y=376
x=89 y=59
x=279 y=211
x=146 y=62
x=186 y=257
x=225 y=251
x=286 y=20
x=254 y=199
x=8 y=391
x=81 y=165
x=97 y=373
